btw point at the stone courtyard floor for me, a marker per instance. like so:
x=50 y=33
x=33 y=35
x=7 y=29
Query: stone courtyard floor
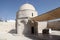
x=48 y=37
x=40 y=36
x=44 y=37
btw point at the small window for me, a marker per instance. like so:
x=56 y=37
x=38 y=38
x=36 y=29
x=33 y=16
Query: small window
x=32 y=14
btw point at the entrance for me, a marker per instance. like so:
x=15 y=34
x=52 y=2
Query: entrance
x=32 y=30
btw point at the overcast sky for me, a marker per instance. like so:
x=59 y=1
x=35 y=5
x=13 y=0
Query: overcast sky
x=8 y=8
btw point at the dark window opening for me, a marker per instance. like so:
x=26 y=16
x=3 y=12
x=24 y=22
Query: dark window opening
x=32 y=14
x=32 y=30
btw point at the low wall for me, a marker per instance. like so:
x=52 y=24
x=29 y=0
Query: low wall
x=6 y=26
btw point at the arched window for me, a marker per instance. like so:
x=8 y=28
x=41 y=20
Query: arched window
x=32 y=14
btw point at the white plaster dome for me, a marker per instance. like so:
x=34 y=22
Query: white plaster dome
x=27 y=7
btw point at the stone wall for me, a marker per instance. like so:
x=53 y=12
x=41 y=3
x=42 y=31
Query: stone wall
x=41 y=26
x=6 y=26
x=55 y=25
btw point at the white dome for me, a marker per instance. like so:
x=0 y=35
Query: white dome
x=27 y=6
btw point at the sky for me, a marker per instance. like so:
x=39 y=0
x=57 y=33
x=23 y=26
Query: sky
x=8 y=8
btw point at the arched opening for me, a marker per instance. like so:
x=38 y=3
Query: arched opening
x=32 y=14
x=32 y=30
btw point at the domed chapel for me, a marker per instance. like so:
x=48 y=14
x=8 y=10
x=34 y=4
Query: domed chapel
x=23 y=18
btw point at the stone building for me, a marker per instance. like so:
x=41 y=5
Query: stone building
x=28 y=21
x=23 y=18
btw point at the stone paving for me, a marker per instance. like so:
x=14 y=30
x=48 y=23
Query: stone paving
x=40 y=36
x=44 y=37
x=48 y=37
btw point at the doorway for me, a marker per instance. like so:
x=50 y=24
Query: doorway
x=32 y=30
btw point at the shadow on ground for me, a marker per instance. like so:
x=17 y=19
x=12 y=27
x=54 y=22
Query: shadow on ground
x=43 y=37
x=39 y=36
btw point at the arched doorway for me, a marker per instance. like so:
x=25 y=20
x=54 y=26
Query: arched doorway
x=32 y=30
x=33 y=27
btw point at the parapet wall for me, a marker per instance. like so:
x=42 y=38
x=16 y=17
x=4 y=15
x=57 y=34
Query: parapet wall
x=6 y=26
